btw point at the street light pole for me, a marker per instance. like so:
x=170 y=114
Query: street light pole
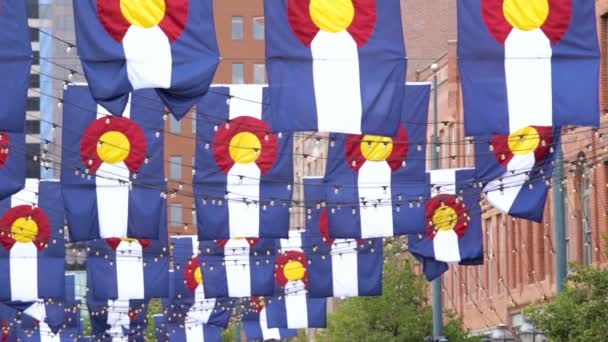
x=559 y=217
x=437 y=293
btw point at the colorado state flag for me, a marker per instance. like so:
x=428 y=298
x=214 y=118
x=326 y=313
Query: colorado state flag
x=166 y=45
x=239 y=161
x=384 y=175
x=338 y=267
x=453 y=223
x=189 y=303
x=194 y=332
x=12 y=163
x=517 y=171
x=15 y=64
x=528 y=63
x=118 y=320
x=160 y=328
x=292 y=307
x=238 y=267
x=255 y=323
x=112 y=172
x=32 y=250
x=323 y=65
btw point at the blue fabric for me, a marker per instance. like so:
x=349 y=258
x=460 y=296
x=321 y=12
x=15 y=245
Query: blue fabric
x=290 y=73
x=253 y=330
x=370 y=256
x=51 y=260
x=67 y=335
x=470 y=245
x=316 y=312
x=98 y=312
x=211 y=333
x=195 y=57
x=575 y=72
x=181 y=299
x=12 y=174
x=160 y=328
x=15 y=65
x=407 y=183
x=145 y=204
x=8 y=318
x=529 y=203
x=210 y=181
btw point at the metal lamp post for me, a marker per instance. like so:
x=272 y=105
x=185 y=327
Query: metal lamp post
x=437 y=294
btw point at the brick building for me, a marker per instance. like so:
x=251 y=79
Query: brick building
x=519 y=264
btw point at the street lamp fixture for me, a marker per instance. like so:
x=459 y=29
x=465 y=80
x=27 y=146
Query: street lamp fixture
x=529 y=333
x=502 y=334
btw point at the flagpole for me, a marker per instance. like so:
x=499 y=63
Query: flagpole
x=437 y=294
x=559 y=217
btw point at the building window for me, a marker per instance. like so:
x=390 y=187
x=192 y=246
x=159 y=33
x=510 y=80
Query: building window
x=174 y=125
x=258 y=28
x=35 y=58
x=490 y=244
x=32 y=9
x=34 y=34
x=32 y=167
x=238 y=73
x=35 y=81
x=32 y=127
x=453 y=140
x=259 y=73
x=586 y=217
x=193 y=123
x=175 y=167
x=237 y=28
x=33 y=104
x=176 y=212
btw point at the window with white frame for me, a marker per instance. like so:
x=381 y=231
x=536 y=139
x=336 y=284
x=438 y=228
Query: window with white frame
x=258 y=28
x=237 y=28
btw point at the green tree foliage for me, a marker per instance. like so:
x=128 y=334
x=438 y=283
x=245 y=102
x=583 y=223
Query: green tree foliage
x=579 y=312
x=402 y=313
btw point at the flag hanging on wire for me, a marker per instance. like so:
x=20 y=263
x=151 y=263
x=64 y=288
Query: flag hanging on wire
x=12 y=163
x=160 y=328
x=323 y=68
x=338 y=267
x=128 y=269
x=453 y=223
x=189 y=302
x=112 y=172
x=9 y=322
x=166 y=45
x=238 y=267
x=376 y=185
x=32 y=254
x=194 y=332
x=292 y=307
x=528 y=63
x=118 y=320
x=15 y=64
x=516 y=170
x=255 y=323
x=244 y=169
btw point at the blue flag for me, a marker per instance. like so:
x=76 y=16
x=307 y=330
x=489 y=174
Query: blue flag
x=33 y=250
x=160 y=328
x=12 y=163
x=516 y=170
x=194 y=333
x=255 y=323
x=112 y=172
x=453 y=230
x=376 y=185
x=9 y=322
x=128 y=269
x=324 y=70
x=123 y=320
x=167 y=45
x=244 y=170
x=15 y=64
x=528 y=65
x=338 y=267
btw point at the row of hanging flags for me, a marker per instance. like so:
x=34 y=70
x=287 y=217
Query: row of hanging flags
x=527 y=69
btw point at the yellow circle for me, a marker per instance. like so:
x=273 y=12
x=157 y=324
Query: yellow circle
x=445 y=218
x=376 y=148
x=524 y=141
x=143 y=13
x=113 y=147
x=526 y=15
x=332 y=15
x=245 y=148
x=294 y=270
x=24 y=230
x=198 y=276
